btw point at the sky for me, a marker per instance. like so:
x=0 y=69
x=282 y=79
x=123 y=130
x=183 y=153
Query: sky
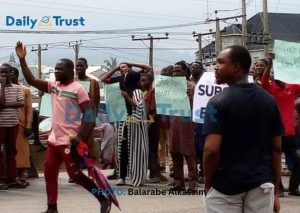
x=113 y=22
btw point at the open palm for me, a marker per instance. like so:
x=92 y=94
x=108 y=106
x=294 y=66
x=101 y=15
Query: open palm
x=20 y=50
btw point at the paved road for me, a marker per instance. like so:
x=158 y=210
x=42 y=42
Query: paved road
x=73 y=199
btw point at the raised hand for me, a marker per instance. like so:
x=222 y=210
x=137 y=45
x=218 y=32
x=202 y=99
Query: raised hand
x=271 y=56
x=20 y=50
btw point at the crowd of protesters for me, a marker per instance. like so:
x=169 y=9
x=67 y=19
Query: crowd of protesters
x=236 y=155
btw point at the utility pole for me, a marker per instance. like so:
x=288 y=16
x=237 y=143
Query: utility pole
x=266 y=27
x=75 y=46
x=39 y=50
x=244 y=24
x=150 y=38
x=151 y=52
x=218 y=42
x=199 y=40
x=218 y=33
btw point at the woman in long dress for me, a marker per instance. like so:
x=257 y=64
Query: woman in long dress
x=132 y=134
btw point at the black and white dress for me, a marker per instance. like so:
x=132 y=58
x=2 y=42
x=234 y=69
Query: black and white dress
x=137 y=137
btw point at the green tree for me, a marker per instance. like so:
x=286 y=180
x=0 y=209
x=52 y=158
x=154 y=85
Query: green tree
x=109 y=65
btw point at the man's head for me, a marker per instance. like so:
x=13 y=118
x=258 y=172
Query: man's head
x=64 y=70
x=260 y=66
x=146 y=81
x=197 y=69
x=125 y=67
x=233 y=65
x=14 y=75
x=81 y=66
x=5 y=72
x=181 y=69
x=167 y=71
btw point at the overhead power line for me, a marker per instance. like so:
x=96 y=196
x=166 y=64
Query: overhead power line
x=114 y=10
x=118 y=31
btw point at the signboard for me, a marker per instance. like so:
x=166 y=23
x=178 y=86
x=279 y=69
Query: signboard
x=287 y=61
x=171 y=96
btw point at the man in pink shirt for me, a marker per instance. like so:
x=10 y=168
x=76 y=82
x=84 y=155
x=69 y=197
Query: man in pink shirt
x=72 y=122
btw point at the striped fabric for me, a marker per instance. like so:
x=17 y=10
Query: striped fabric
x=9 y=116
x=138 y=142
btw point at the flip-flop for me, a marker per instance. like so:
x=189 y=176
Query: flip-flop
x=3 y=186
x=25 y=182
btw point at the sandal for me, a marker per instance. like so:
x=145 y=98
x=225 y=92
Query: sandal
x=3 y=186
x=25 y=182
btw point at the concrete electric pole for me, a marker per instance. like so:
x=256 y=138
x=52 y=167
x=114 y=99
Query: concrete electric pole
x=199 y=40
x=266 y=27
x=244 y=24
x=75 y=46
x=150 y=38
x=39 y=50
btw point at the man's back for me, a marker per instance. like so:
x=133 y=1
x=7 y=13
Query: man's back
x=247 y=118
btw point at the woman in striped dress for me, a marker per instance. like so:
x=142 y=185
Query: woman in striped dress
x=132 y=135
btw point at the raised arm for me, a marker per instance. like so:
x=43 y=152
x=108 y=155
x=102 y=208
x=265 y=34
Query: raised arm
x=107 y=76
x=144 y=67
x=267 y=72
x=37 y=83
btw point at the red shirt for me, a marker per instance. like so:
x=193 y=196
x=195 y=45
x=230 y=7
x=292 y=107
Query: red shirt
x=285 y=99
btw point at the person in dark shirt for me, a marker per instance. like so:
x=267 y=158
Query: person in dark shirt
x=242 y=154
x=124 y=68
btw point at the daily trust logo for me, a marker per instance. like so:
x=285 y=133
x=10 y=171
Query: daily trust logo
x=45 y=21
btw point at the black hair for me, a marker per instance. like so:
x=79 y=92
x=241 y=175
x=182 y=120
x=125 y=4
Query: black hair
x=129 y=65
x=168 y=70
x=68 y=64
x=7 y=65
x=200 y=64
x=264 y=60
x=83 y=60
x=150 y=76
x=197 y=62
x=240 y=55
x=132 y=82
x=185 y=67
x=16 y=71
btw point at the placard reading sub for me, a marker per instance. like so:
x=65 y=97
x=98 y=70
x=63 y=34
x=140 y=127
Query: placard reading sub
x=205 y=89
